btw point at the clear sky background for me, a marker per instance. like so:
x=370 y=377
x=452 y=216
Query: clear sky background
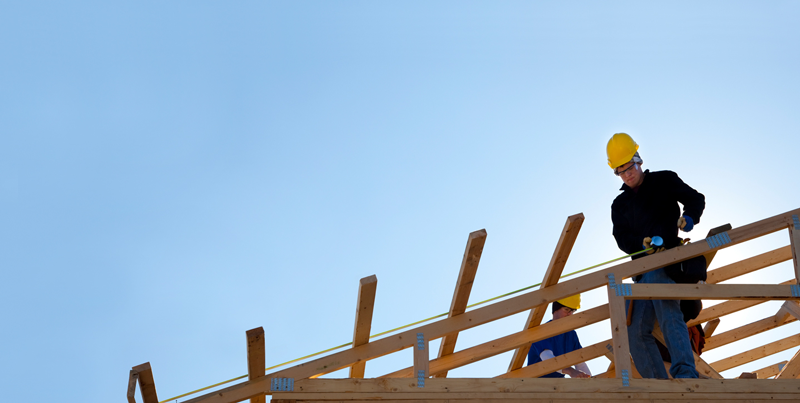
x=175 y=173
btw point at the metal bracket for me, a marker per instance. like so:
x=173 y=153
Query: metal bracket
x=795 y=290
x=282 y=385
x=620 y=289
x=420 y=379
x=796 y=220
x=718 y=240
x=420 y=341
x=611 y=281
x=625 y=379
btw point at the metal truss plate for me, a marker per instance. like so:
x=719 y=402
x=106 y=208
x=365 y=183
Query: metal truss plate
x=718 y=240
x=282 y=385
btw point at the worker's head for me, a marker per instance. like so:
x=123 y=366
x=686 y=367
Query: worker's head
x=624 y=159
x=566 y=306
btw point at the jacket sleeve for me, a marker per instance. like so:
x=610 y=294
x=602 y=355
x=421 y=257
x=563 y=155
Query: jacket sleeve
x=693 y=201
x=625 y=236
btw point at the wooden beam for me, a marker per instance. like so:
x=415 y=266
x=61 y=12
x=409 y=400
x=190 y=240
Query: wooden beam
x=757 y=353
x=511 y=306
x=794 y=239
x=710 y=327
x=147 y=385
x=749 y=265
x=367 y=288
x=132 y=379
x=466 y=276
x=712 y=291
x=256 y=358
x=421 y=356
x=560 y=362
x=450 y=386
x=771 y=370
x=792 y=368
x=563 y=248
x=619 y=332
x=510 y=342
x=746 y=331
x=792 y=308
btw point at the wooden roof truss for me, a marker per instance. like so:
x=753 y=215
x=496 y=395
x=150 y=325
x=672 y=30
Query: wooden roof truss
x=426 y=380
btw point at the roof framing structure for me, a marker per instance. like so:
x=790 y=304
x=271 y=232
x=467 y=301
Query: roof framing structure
x=425 y=380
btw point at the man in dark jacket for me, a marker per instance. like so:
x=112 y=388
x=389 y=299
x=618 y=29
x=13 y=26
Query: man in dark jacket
x=648 y=207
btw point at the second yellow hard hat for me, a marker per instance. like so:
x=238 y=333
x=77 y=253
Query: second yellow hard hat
x=620 y=149
x=573 y=302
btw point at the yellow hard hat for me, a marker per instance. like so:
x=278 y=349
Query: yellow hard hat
x=620 y=149
x=573 y=302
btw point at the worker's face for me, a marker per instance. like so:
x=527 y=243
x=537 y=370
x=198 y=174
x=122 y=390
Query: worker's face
x=563 y=312
x=631 y=173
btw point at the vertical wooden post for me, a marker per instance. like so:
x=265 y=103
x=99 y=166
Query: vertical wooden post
x=563 y=248
x=132 y=379
x=364 y=308
x=421 y=360
x=256 y=358
x=146 y=383
x=619 y=332
x=466 y=276
x=794 y=238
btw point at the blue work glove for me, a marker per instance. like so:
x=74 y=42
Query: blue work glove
x=685 y=223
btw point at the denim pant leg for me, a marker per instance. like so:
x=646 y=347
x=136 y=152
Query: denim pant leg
x=644 y=351
x=676 y=336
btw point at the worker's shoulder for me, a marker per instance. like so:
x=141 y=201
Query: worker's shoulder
x=663 y=174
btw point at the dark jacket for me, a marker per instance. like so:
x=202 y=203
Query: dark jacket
x=653 y=210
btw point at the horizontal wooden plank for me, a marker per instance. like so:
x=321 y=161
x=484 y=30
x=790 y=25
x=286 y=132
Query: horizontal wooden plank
x=504 y=397
x=712 y=291
x=544 y=385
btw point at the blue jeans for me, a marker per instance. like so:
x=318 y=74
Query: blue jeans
x=643 y=347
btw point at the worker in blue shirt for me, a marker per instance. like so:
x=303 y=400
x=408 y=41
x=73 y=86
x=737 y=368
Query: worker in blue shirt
x=561 y=344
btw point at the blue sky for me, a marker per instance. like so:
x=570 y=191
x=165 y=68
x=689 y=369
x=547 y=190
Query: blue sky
x=173 y=174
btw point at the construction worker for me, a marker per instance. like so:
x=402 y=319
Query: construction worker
x=561 y=344
x=648 y=207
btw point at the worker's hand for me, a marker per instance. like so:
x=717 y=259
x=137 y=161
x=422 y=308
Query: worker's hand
x=575 y=373
x=647 y=243
x=685 y=223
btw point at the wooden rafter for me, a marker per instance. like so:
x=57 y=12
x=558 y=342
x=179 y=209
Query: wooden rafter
x=466 y=276
x=743 y=332
x=771 y=370
x=710 y=327
x=367 y=288
x=563 y=248
x=147 y=385
x=757 y=353
x=256 y=358
x=792 y=368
